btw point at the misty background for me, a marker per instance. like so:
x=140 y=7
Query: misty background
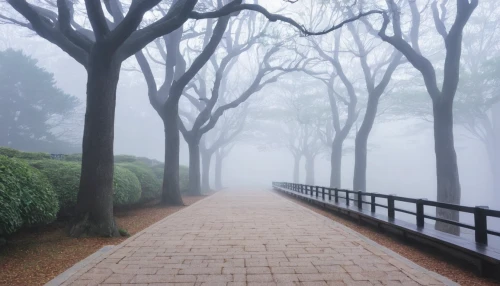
x=401 y=157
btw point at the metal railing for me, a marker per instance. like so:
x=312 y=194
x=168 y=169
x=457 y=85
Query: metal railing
x=480 y=213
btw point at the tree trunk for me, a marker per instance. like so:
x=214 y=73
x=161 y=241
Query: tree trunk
x=361 y=145
x=171 y=194
x=336 y=163
x=448 y=183
x=206 y=158
x=296 y=169
x=218 y=170
x=495 y=151
x=309 y=170
x=194 y=188
x=94 y=207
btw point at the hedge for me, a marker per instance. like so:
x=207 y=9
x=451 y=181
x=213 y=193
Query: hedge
x=73 y=157
x=65 y=177
x=183 y=176
x=127 y=187
x=13 y=153
x=150 y=184
x=125 y=159
x=26 y=196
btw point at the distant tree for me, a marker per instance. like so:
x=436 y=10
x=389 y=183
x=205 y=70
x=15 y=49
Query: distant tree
x=31 y=105
x=294 y=119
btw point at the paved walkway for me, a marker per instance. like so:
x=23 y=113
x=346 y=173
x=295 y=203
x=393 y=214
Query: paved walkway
x=250 y=238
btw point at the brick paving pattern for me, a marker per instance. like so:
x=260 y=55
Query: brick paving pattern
x=250 y=238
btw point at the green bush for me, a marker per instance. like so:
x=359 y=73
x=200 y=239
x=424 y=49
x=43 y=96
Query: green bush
x=183 y=175
x=125 y=159
x=73 y=157
x=158 y=171
x=150 y=185
x=183 y=178
x=65 y=178
x=13 y=153
x=127 y=187
x=26 y=196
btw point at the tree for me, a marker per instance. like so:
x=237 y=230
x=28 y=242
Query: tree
x=448 y=183
x=101 y=50
x=31 y=105
x=219 y=141
x=373 y=69
x=341 y=131
x=208 y=115
x=292 y=120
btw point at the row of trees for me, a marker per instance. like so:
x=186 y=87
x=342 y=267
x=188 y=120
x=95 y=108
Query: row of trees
x=213 y=56
x=101 y=37
x=357 y=68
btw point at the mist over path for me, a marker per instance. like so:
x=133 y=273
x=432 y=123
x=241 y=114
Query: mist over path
x=251 y=236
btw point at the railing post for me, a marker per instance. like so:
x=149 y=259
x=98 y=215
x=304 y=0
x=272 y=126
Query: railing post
x=317 y=191
x=329 y=194
x=360 y=200
x=336 y=195
x=390 y=206
x=481 y=224
x=372 y=203
x=323 y=193
x=420 y=213
x=347 y=197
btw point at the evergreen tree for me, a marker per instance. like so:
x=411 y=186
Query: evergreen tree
x=31 y=105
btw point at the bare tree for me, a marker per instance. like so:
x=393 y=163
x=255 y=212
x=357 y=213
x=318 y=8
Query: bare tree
x=101 y=50
x=382 y=70
x=341 y=129
x=268 y=71
x=448 y=183
x=223 y=138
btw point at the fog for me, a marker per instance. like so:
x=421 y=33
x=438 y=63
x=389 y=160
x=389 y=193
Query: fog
x=401 y=156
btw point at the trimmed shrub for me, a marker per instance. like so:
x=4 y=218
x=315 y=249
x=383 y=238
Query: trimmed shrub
x=183 y=175
x=125 y=159
x=13 y=153
x=183 y=178
x=26 y=196
x=73 y=157
x=65 y=178
x=150 y=185
x=158 y=171
x=127 y=187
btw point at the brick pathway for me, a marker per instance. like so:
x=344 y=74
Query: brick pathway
x=250 y=238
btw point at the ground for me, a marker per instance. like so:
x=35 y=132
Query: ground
x=251 y=237
x=35 y=257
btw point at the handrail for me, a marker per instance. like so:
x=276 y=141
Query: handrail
x=480 y=213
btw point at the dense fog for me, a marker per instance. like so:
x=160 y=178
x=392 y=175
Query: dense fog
x=401 y=156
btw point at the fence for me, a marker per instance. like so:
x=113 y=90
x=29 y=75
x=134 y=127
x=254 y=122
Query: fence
x=359 y=199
